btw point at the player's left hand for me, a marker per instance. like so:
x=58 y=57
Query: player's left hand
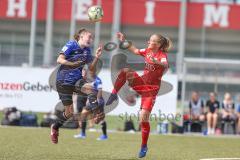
x=99 y=51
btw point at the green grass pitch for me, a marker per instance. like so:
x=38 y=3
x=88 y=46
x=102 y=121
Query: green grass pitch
x=18 y=143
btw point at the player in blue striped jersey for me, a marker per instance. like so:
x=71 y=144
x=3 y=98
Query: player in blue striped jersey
x=95 y=87
x=72 y=58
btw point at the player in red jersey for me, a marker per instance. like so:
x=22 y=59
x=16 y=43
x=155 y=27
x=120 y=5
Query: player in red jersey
x=147 y=85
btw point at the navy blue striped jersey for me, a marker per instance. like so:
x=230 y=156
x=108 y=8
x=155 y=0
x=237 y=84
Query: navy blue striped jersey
x=73 y=52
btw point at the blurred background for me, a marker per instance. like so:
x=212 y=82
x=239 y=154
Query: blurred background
x=206 y=29
x=205 y=58
x=205 y=33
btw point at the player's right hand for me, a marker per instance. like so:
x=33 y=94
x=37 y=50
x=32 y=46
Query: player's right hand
x=99 y=51
x=120 y=36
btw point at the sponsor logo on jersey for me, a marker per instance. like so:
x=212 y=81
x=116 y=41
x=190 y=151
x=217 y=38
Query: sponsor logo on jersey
x=142 y=50
x=164 y=60
x=64 y=48
x=149 y=67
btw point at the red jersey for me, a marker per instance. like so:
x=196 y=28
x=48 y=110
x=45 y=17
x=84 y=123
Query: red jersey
x=153 y=72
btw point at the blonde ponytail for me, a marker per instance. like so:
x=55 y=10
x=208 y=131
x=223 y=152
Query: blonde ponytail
x=166 y=44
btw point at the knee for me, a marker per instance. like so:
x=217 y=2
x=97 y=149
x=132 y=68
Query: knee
x=84 y=115
x=215 y=116
x=201 y=118
x=144 y=116
x=209 y=115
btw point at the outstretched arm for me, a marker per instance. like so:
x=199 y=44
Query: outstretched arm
x=92 y=66
x=132 y=48
x=62 y=60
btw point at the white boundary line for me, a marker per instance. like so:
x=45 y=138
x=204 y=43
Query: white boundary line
x=221 y=159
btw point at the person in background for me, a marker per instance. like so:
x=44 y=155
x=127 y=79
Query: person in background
x=228 y=110
x=212 y=114
x=238 y=122
x=196 y=108
x=194 y=119
x=95 y=87
x=129 y=126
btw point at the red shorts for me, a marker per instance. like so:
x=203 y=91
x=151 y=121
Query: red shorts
x=147 y=91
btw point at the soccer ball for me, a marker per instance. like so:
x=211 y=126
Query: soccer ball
x=95 y=13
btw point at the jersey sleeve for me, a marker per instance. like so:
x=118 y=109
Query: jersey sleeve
x=99 y=84
x=142 y=52
x=164 y=60
x=67 y=49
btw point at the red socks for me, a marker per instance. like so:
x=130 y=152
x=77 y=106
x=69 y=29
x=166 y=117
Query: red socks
x=145 y=126
x=120 y=81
